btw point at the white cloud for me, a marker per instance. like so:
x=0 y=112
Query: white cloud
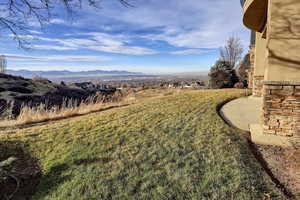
x=124 y=50
x=53 y=47
x=58 y=58
x=57 y=21
x=29 y=37
x=35 y=23
x=117 y=44
x=35 y=32
x=189 y=52
x=188 y=23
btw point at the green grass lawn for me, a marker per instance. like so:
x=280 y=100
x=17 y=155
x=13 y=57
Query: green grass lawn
x=173 y=147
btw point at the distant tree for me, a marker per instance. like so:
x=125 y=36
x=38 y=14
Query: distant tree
x=222 y=75
x=3 y=64
x=16 y=14
x=242 y=69
x=232 y=51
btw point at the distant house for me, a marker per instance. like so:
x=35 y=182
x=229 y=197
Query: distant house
x=187 y=86
x=3 y=64
x=198 y=85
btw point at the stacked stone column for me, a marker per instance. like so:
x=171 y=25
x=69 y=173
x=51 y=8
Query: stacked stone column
x=281 y=108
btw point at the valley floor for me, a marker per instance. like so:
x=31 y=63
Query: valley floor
x=172 y=147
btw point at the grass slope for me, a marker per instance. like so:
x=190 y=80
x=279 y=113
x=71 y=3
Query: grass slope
x=173 y=147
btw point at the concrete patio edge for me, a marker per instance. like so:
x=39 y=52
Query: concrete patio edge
x=258 y=137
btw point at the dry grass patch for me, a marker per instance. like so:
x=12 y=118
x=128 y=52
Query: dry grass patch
x=71 y=108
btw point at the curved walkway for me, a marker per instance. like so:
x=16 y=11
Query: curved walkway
x=242 y=112
x=245 y=113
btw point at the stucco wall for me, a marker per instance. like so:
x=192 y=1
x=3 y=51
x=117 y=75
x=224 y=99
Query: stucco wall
x=283 y=41
x=259 y=65
x=260 y=55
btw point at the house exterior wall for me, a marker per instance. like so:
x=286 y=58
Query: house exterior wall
x=283 y=34
x=251 y=69
x=277 y=62
x=259 y=65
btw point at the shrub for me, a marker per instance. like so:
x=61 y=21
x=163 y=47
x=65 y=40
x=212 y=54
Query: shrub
x=222 y=75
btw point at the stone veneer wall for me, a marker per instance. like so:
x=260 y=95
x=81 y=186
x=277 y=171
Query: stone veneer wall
x=281 y=110
x=257 y=89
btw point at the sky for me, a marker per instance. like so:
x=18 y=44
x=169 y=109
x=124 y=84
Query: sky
x=154 y=36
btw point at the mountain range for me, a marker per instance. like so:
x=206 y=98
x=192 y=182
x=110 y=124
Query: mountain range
x=66 y=73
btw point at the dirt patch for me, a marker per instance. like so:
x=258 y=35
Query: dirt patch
x=284 y=164
x=20 y=180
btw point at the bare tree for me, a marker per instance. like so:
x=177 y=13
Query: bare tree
x=16 y=15
x=232 y=51
x=243 y=66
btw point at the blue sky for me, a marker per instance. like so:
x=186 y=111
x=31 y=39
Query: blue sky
x=154 y=37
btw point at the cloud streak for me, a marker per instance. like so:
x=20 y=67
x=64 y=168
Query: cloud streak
x=73 y=58
x=189 y=52
x=117 y=44
x=188 y=24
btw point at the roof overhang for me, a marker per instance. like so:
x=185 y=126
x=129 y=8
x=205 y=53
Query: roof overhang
x=255 y=14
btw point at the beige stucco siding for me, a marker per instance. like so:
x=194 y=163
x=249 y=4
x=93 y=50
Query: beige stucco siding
x=260 y=55
x=283 y=43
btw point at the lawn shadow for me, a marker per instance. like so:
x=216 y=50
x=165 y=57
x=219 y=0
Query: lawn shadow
x=20 y=179
x=88 y=161
x=53 y=179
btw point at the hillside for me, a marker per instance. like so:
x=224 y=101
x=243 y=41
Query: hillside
x=171 y=147
x=17 y=91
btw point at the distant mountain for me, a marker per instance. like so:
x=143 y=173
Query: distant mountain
x=66 y=73
x=80 y=76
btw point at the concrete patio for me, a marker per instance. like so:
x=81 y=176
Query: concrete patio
x=245 y=114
